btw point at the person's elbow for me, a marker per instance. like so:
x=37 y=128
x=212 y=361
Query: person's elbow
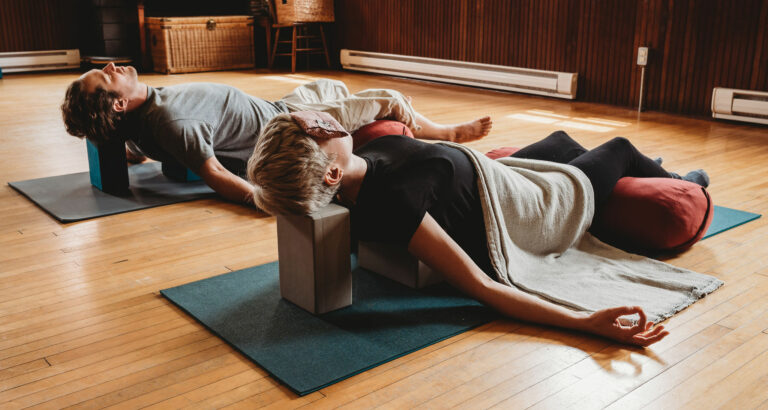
x=211 y=168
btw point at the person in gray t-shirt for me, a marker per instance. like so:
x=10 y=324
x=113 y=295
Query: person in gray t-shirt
x=193 y=122
x=212 y=128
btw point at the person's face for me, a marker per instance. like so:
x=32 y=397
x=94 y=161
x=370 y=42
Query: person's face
x=122 y=80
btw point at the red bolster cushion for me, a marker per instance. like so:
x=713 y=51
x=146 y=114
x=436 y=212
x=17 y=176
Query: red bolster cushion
x=649 y=214
x=660 y=214
x=376 y=129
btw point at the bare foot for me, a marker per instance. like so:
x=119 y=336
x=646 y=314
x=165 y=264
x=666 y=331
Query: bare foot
x=472 y=130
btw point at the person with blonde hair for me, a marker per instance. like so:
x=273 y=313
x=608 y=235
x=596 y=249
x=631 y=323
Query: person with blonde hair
x=491 y=228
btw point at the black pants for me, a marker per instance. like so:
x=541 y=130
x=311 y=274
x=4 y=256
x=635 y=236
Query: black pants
x=604 y=165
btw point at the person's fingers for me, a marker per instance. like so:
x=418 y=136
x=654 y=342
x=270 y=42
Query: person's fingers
x=643 y=319
x=648 y=326
x=649 y=340
x=623 y=310
x=652 y=333
x=617 y=312
x=655 y=331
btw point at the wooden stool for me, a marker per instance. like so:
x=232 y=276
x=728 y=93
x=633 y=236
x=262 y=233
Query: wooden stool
x=301 y=39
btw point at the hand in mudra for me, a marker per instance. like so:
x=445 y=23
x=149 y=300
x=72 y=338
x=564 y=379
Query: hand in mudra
x=609 y=323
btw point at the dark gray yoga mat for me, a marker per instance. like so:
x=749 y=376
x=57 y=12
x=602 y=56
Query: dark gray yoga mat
x=306 y=352
x=70 y=198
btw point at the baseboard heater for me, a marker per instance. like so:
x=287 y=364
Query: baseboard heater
x=524 y=80
x=19 y=61
x=740 y=105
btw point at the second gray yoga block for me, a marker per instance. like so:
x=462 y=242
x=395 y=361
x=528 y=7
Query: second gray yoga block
x=313 y=252
x=395 y=262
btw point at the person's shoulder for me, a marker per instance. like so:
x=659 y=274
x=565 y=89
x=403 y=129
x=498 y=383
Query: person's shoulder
x=388 y=142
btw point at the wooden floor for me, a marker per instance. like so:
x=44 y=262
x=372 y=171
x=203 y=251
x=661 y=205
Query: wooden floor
x=82 y=323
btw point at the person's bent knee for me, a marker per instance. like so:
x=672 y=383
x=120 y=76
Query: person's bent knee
x=621 y=141
x=560 y=136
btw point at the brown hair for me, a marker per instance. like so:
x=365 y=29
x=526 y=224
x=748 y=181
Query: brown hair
x=287 y=169
x=90 y=115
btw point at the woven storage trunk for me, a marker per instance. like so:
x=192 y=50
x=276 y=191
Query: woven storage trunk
x=190 y=44
x=304 y=11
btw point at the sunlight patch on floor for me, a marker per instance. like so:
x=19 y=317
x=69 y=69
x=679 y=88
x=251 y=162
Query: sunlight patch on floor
x=588 y=124
x=292 y=78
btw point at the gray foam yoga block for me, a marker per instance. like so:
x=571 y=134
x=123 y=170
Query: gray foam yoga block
x=395 y=262
x=313 y=251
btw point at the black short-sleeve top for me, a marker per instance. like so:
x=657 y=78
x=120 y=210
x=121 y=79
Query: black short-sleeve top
x=407 y=178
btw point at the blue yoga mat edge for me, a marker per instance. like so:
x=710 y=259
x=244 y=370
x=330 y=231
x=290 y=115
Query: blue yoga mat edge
x=747 y=217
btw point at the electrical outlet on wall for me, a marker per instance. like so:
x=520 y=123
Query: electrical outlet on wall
x=642 y=56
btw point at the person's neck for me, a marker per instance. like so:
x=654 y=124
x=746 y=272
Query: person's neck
x=354 y=174
x=138 y=97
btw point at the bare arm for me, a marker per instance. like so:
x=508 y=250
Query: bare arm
x=432 y=245
x=225 y=183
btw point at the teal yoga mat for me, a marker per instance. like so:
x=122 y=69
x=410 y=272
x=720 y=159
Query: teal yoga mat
x=306 y=352
x=727 y=218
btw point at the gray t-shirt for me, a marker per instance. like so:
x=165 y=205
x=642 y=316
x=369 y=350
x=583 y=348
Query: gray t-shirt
x=190 y=123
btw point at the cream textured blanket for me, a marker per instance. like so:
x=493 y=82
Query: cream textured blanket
x=537 y=214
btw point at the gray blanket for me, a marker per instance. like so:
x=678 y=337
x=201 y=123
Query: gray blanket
x=537 y=214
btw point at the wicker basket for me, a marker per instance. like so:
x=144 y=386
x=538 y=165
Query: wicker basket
x=304 y=11
x=191 y=44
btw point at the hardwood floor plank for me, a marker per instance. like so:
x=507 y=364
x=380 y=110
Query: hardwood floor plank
x=166 y=392
x=55 y=375
x=740 y=383
x=690 y=368
x=96 y=342
x=130 y=385
x=66 y=383
x=210 y=390
x=277 y=398
x=713 y=372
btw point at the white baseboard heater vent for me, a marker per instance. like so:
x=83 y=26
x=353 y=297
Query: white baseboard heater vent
x=18 y=61
x=524 y=80
x=740 y=105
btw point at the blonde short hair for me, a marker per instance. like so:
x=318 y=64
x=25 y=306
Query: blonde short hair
x=287 y=169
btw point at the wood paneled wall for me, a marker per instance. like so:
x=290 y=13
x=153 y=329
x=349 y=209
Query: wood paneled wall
x=695 y=44
x=29 y=25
